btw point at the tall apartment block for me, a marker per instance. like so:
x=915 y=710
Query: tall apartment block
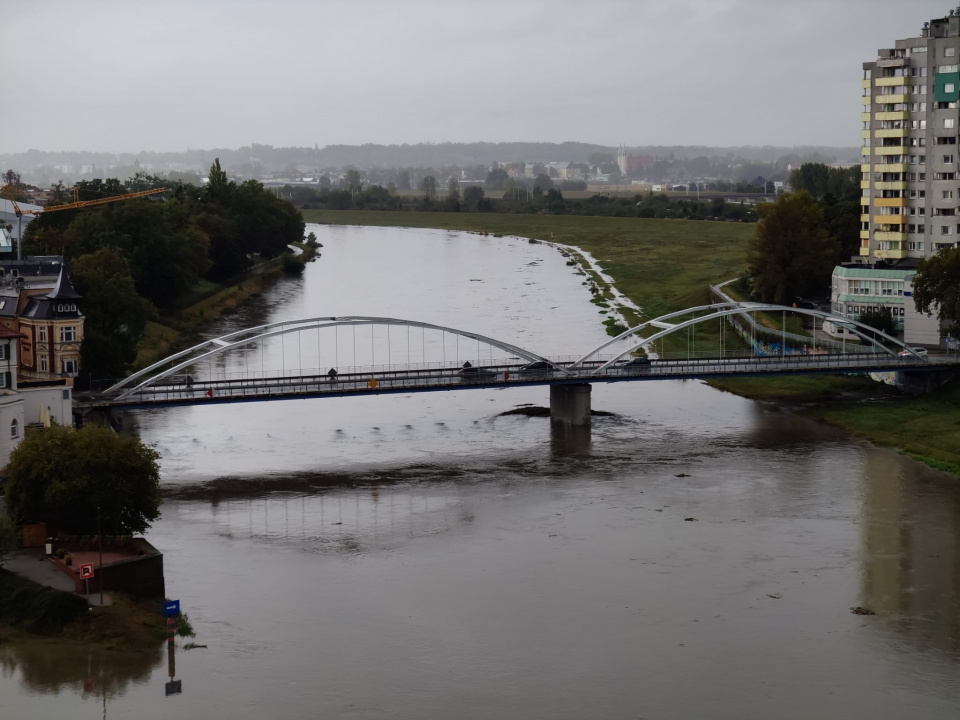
x=911 y=176
x=911 y=181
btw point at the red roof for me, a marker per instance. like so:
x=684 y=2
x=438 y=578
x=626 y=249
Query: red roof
x=6 y=333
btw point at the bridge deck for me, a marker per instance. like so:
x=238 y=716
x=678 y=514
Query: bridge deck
x=403 y=380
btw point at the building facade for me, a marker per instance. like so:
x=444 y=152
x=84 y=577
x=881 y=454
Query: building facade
x=910 y=126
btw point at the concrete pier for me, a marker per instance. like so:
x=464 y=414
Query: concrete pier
x=570 y=404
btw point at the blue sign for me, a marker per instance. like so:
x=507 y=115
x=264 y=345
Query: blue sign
x=171 y=608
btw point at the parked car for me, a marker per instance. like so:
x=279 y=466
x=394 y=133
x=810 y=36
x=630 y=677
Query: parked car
x=922 y=352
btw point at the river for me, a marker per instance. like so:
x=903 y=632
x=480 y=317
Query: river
x=696 y=555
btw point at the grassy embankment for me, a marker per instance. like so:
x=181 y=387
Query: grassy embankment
x=666 y=265
x=207 y=303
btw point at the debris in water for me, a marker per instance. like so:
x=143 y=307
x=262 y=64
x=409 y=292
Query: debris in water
x=682 y=475
x=862 y=611
x=775 y=596
x=691 y=519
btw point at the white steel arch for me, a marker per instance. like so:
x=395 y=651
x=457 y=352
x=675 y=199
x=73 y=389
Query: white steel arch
x=248 y=336
x=727 y=309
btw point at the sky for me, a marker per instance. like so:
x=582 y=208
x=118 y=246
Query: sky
x=172 y=75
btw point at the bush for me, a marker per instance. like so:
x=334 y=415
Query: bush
x=291 y=264
x=8 y=538
x=36 y=609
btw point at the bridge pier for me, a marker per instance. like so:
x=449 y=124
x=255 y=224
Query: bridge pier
x=570 y=404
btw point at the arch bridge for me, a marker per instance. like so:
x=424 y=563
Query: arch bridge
x=347 y=356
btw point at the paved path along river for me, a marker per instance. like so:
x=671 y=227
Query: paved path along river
x=698 y=555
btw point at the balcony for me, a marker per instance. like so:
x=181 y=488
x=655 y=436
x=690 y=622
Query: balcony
x=864 y=184
x=891 y=236
x=891 y=168
x=890 y=219
x=890 y=254
x=865 y=84
x=865 y=117
x=894 y=133
x=864 y=251
x=894 y=115
x=892 y=99
x=865 y=100
x=891 y=81
x=890 y=150
x=864 y=234
x=895 y=185
x=865 y=151
x=865 y=134
x=865 y=168
x=890 y=202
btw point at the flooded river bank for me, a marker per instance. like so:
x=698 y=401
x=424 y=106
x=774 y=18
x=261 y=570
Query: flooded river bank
x=695 y=555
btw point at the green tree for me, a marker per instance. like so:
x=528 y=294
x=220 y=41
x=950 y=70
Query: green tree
x=115 y=315
x=936 y=286
x=61 y=476
x=429 y=187
x=880 y=319
x=791 y=254
x=352 y=181
x=217 y=178
x=8 y=539
x=473 y=198
x=496 y=179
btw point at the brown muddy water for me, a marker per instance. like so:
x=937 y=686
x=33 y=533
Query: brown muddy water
x=696 y=555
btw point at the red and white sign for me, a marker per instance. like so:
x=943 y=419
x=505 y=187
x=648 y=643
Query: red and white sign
x=86 y=571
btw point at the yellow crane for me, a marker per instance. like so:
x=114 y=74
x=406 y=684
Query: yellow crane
x=77 y=203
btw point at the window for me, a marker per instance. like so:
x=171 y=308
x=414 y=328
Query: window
x=3 y=352
x=867 y=74
x=921 y=177
x=948 y=159
x=14 y=428
x=946 y=229
x=41 y=334
x=923 y=159
x=946 y=68
x=923 y=72
x=949 y=52
x=949 y=87
x=69 y=367
x=43 y=363
x=949 y=122
x=921 y=229
x=948 y=194
x=68 y=333
x=944 y=176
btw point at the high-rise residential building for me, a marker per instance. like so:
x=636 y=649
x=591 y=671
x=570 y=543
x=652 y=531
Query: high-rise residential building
x=910 y=126
x=911 y=182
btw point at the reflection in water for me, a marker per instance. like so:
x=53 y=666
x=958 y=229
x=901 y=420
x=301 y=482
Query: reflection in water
x=84 y=670
x=911 y=550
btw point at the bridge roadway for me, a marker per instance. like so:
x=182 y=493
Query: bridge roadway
x=405 y=380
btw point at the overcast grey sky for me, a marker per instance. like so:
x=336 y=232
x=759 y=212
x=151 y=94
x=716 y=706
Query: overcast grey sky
x=168 y=75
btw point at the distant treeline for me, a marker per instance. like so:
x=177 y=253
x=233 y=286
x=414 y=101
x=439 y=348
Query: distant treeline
x=132 y=256
x=258 y=160
x=552 y=201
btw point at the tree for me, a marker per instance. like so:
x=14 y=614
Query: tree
x=429 y=187
x=63 y=476
x=936 y=286
x=352 y=181
x=217 y=179
x=791 y=254
x=8 y=539
x=880 y=319
x=453 y=190
x=115 y=315
x=496 y=179
x=473 y=198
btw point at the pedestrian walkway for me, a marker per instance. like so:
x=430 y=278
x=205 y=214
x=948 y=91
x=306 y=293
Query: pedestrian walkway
x=33 y=565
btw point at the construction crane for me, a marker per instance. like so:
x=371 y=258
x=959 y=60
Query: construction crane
x=77 y=203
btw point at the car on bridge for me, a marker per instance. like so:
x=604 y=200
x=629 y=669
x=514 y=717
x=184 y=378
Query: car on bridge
x=538 y=367
x=635 y=366
x=477 y=374
x=906 y=354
